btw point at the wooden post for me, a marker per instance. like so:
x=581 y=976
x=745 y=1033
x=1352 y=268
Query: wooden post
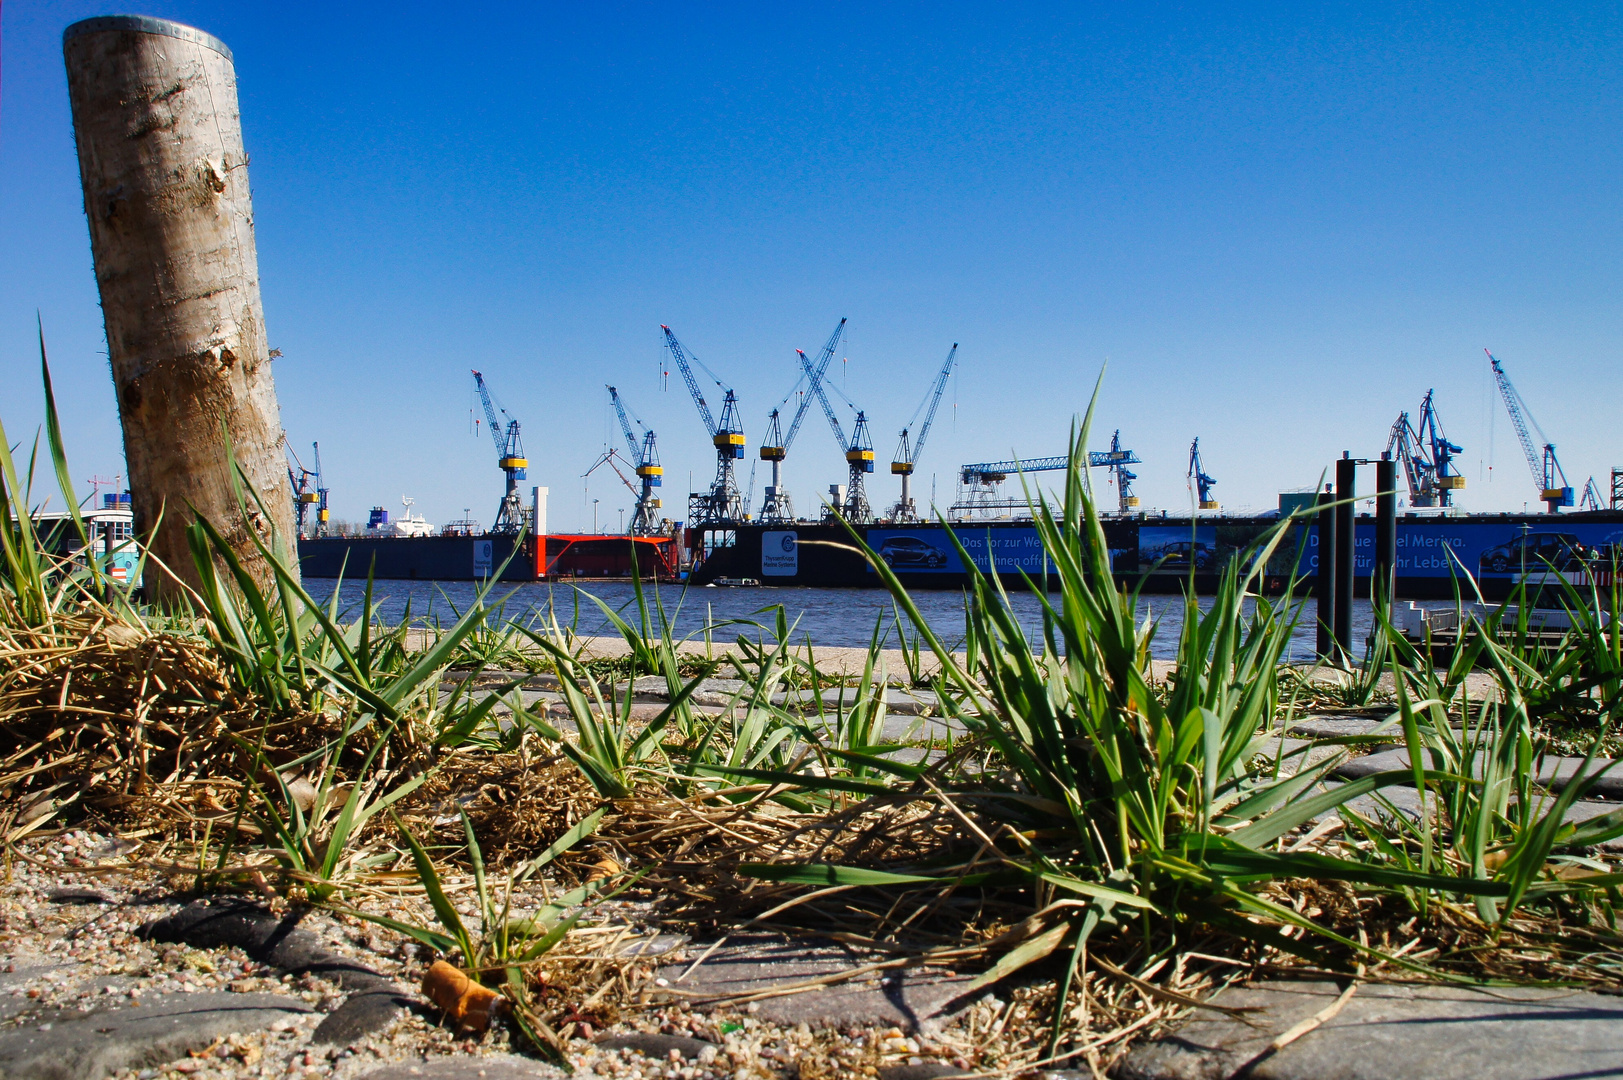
x=172 y=234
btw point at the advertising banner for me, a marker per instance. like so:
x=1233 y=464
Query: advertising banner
x=780 y=554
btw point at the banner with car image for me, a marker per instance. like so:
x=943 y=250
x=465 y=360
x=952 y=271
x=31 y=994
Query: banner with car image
x=929 y=550
x=1508 y=549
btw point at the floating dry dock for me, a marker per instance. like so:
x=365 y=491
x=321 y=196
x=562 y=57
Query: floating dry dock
x=1432 y=552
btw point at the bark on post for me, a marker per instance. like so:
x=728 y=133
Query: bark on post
x=172 y=233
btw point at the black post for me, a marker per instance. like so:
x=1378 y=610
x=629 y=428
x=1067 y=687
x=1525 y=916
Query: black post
x=1386 y=535
x=1326 y=587
x=1346 y=552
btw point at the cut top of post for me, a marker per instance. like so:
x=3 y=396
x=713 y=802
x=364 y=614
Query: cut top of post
x=146 y=24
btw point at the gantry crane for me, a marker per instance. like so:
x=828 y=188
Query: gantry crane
x=1546 y=469
x=906 y=453
x=722 y=502
x=645 y=521
x=510 y=456
x=1427 y=457
x=1197 y=475
x=858 y=451
x=776 y=506
x=981 y=480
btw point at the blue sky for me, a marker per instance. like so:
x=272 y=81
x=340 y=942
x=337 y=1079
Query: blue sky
x=1280 y=226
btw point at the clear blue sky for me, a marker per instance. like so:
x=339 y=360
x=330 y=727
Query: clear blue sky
x=1280 y=226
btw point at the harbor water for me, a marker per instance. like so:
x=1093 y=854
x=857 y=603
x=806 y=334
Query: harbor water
x=828 y=617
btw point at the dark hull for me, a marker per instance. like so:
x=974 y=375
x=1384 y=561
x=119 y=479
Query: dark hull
x=424 y=558
x=1435 y=556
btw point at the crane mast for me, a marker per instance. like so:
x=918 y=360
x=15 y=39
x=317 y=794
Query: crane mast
x=1546 y=469
x=645 y=521
x=1197 y=474
x=722 y=503
x=776 y=506
x=509 y=456
x=906 y=453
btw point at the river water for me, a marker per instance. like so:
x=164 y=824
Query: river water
x=830 y=617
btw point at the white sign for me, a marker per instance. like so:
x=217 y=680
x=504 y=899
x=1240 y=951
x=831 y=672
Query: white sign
x=780 y=554
x=482 y=558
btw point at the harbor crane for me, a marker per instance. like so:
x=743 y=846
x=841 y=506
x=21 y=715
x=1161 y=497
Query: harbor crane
x=1546 y=469
x=645 y=520
x=982 y=479
x=1427 y=457
x=321 y=493
x=305 y=484
x=776 y=507
x=906 y=453
x=722 y=502
x=1590 y=499
x=859 y=455
x=1197 y=476
x=510 y=456
x=1120 y=459
x=611 y=458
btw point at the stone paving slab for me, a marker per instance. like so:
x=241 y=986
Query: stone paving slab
x=914 y=999
x=97 y=1044
x=1554 y=773
x=480 y=1067
x=1393 y=1033
x=1407 y=801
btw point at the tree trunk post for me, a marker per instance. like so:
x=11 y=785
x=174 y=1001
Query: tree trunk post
x=172 y=235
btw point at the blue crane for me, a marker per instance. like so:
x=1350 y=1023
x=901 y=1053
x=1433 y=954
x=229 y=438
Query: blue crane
x=509 y=456
x=1448 y=478
x=1546 y=469
x=906 y=453
x=1590 y=500
x=645 y=521
x=1427 y=457
x=721 y=503
x=982 y=479
x=776 y=506
x=1197 y=473
x=305 y=494
x=321 y=493
x=859 y=455
x=1124 y=477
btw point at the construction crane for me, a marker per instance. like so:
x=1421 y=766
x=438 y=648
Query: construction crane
x=982 y=480
x=321 y=494
x=1124 y=479
x=859 y=455
x=305 y=484
x=510 y=456
x=1197 y=474
x=906 y=453
x=1590 y=499
x=645 y=520
x=776 y=506
x=1546 y=469
x=722 y=502
x=1427 y=457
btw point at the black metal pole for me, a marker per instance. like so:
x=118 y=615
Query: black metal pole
x=1346 y=552
x=1325 y=589
x=1383 y=582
